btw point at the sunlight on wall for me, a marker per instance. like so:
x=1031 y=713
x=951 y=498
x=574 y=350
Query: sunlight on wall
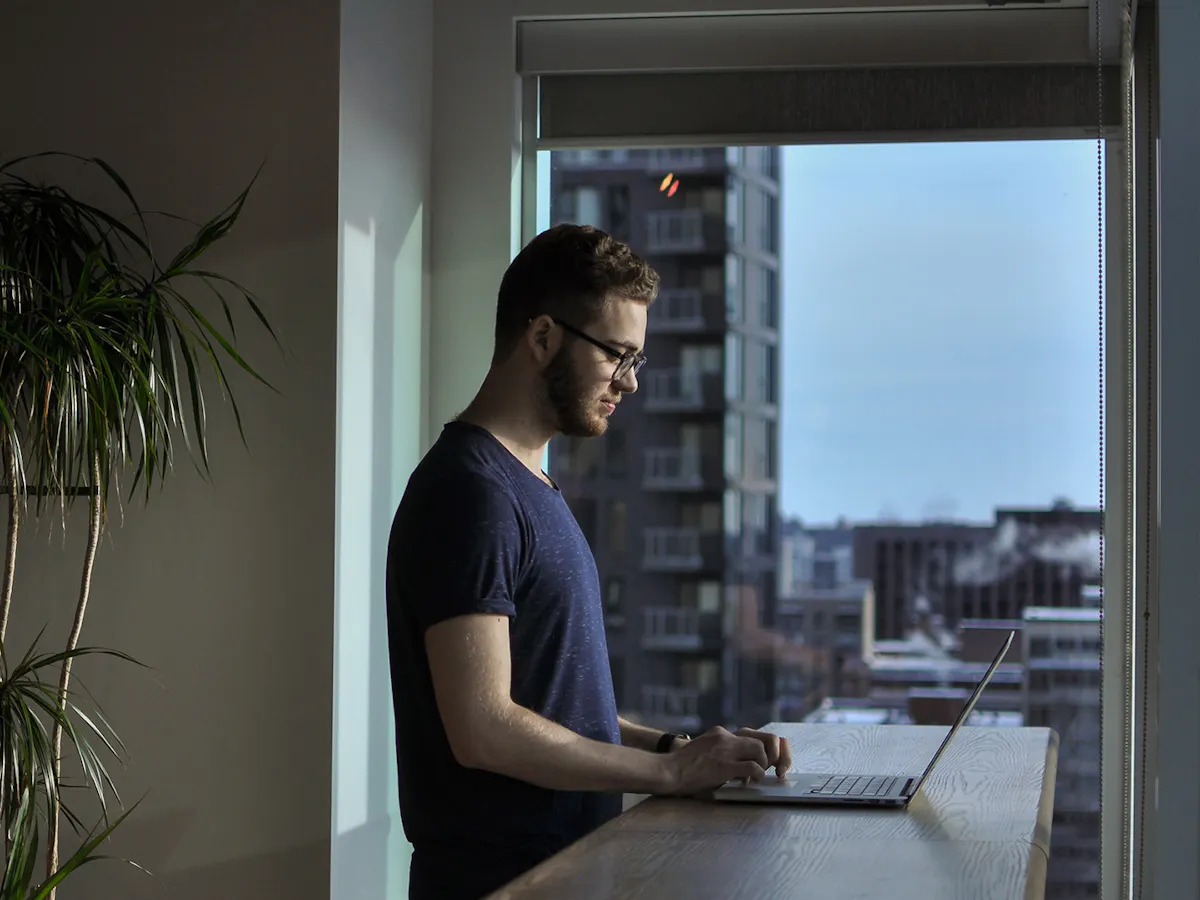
x=379 y=444
x=352 y=664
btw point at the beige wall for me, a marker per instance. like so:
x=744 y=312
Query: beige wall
x=226 y=590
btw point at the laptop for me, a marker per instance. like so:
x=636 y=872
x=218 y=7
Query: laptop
x=851 y=789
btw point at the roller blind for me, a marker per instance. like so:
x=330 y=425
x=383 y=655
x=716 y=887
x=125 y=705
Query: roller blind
x=833 y=105
x=986 y=73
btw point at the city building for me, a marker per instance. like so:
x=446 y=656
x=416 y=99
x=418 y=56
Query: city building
x=1062 y=649
x=1026 y=557
x=679 y=499
x=837 y=623
x=821 y=556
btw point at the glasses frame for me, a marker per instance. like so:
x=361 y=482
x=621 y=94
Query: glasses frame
x=627 y=360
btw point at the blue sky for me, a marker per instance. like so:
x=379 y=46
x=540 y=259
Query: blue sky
x=940 y=329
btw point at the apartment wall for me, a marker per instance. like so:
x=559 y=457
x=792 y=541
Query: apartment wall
x=227 y=590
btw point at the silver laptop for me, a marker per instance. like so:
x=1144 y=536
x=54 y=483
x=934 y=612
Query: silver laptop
x=841 y=789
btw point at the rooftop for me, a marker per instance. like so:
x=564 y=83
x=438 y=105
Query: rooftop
x=1061 y=614
x=835 y=711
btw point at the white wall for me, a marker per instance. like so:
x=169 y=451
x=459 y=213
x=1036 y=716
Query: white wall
x=386 y=95
x=227 y=590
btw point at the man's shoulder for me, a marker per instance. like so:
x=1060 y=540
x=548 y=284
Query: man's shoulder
x=460 y=476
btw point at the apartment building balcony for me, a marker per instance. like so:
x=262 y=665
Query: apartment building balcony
x=684 y=231
x=678 y=159
x=686 y=311
x=682 y=469
x=682 y=390
x=685 y=709
x=679 y=628
x=681 y=550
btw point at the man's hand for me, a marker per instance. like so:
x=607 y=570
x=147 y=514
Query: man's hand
x=717 y=756
x=779 y=752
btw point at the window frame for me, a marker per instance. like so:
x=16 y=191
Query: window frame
x=1131 y=543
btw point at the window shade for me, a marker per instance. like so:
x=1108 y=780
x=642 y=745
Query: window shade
x=842 y=105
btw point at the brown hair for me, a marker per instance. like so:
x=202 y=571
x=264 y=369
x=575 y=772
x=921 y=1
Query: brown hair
x=570 y=272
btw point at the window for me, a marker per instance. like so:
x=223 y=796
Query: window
x=618 y=211
x=584 y=509
x=709 y=200
x=617 y=665
x=930 y=384
x=614 y=596
x=759 y=453
x=733 y=365
x=618 y=526
x=583 y=206
x=704 y=359
x=704 y=516
x=712 y=279
x=708 y=597
x=733 y=445
x=733 y=513
x=768 y=301
x=733 y=289
x=616 y=451
x=734 y=214
x=762 y=371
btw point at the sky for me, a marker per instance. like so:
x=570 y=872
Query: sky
x=940 y=329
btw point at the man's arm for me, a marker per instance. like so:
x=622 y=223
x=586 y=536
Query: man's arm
x=472 y=676
x=643 y=737
x=470 y=663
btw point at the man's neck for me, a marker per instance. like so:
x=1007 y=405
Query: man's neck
x=510 y=421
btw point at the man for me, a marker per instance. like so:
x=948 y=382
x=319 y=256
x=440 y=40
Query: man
x=507 y=735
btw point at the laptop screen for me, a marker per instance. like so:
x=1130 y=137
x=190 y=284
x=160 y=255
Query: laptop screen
x=966 y=710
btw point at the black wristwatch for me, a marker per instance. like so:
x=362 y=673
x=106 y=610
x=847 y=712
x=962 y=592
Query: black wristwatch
x=665 y=742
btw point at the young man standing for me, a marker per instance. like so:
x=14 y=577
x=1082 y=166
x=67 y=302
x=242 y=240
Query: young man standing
x=507 y=736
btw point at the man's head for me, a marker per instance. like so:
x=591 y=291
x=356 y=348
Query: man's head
x=572 y=313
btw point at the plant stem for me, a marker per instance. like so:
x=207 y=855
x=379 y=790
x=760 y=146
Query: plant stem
x=85 y=587
x=10 y=549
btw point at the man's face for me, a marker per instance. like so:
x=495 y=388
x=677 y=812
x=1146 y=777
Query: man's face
x=580 y=393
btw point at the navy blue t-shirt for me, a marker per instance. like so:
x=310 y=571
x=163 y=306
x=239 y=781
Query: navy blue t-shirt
x=477 y=532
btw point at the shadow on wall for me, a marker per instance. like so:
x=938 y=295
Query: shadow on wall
x=263 y=875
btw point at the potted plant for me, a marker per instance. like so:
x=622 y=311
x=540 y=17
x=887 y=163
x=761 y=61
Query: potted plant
x=105 y=351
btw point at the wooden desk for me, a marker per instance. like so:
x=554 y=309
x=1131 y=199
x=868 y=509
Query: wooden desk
x=979 y=829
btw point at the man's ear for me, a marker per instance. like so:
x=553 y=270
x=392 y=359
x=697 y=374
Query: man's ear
x=542 y=338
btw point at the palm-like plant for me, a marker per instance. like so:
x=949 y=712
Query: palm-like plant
x=104 y=355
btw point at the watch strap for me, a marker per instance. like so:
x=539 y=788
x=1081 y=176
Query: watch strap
x=665 y=742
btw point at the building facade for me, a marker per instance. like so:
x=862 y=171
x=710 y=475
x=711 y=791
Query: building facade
x=679 y=499
x=1062 y=691
x=1026 y=557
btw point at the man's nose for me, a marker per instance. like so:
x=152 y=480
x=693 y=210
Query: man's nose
x=627 y=383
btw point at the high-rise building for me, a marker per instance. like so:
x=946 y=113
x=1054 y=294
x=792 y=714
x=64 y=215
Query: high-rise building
x=678 y=500
x=1062 y=691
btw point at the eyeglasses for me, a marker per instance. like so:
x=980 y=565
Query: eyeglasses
x=627 y=360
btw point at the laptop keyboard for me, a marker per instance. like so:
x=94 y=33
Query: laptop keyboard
x=854 y=786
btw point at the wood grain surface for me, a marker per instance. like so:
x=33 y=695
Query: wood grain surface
x=979 y=829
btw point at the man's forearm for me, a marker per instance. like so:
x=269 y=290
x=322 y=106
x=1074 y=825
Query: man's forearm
x=523 y=745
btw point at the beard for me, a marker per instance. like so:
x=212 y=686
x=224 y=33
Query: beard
x=573 y=408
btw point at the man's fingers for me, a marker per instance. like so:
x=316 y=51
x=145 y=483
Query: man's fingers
x=752 y=749
x=769 y=742
x=784 y=764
